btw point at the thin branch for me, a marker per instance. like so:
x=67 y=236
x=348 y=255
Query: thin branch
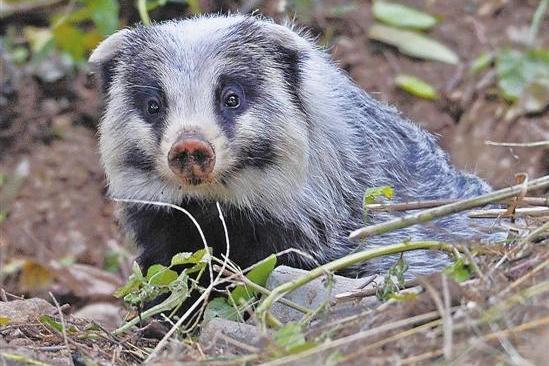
x=537 y=233
x=519 y=144
x=63 y=327
x=445 y=210
x=496 y=212
x=445 y=316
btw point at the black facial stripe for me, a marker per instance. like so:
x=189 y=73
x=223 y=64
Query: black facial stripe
x=106 y=70
x=138 y=159
x=260 y=154
x=289 y=61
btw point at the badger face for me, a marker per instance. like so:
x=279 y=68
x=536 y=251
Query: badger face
x=206 y=108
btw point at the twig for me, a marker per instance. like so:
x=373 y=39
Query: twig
x=406 y=206
x=496 y=212
x=445 y=210
x=358 y=294
x=444 y=314
x=519 y=144
x=536 y=233
x=341 y=263
x=63 y=327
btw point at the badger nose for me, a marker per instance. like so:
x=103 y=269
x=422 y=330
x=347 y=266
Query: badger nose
x=192 y=158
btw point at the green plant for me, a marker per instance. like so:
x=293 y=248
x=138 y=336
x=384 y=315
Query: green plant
x=393 y=281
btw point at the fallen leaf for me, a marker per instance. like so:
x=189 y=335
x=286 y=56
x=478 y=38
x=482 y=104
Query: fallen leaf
x=415 y=86
x=35 y=276
x=413 y=44
x=402 y=16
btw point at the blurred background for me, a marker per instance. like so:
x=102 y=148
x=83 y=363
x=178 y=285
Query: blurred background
x=469 y=71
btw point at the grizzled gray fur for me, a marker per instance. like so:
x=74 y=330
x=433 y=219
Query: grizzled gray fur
x=253 y=115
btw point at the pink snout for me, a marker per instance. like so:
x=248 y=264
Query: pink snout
x=192 y=158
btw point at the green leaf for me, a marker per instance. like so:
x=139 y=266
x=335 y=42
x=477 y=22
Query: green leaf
x=51 y=322
x=394 y=280
x=200 y=259
x=413 y=44
x=371 y=194
x=459 y=271
x=416 y=86
x=291 y=338
x=112 y=260
x=200 y=255
x=402 y=16
x=135 y=281
x=219 y=307
x=258 y=275
x=104 y=14
x=481 y=62
x=516 y=70
x=70 y=40
x=159 y=275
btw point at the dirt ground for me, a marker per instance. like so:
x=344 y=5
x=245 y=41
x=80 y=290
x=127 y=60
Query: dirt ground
x=60 y=210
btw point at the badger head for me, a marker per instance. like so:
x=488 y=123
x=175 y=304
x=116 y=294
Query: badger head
x=208 y=108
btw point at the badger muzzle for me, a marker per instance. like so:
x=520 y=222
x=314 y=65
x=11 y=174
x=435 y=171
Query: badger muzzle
x=192 y=158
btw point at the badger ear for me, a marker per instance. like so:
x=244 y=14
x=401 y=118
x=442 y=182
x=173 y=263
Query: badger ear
x=108 y=47
x=103 y=57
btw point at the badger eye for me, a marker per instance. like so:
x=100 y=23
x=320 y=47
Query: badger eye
x=153 y=107
x=232 y=101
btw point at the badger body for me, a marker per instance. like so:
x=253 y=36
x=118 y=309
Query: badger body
x=253 y=115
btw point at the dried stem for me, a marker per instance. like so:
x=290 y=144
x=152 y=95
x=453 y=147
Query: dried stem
x=519 y=144
x=445 y=210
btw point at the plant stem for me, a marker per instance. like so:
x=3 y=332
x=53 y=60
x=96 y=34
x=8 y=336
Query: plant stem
x=143 y=13
x=445 y=210
x=341 y=263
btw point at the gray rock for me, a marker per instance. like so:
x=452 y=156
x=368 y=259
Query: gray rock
x=104 y=313
x=315 y=293
x=220 y=332
x=25 y=311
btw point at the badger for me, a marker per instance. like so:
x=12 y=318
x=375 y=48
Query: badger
x=253 y=115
